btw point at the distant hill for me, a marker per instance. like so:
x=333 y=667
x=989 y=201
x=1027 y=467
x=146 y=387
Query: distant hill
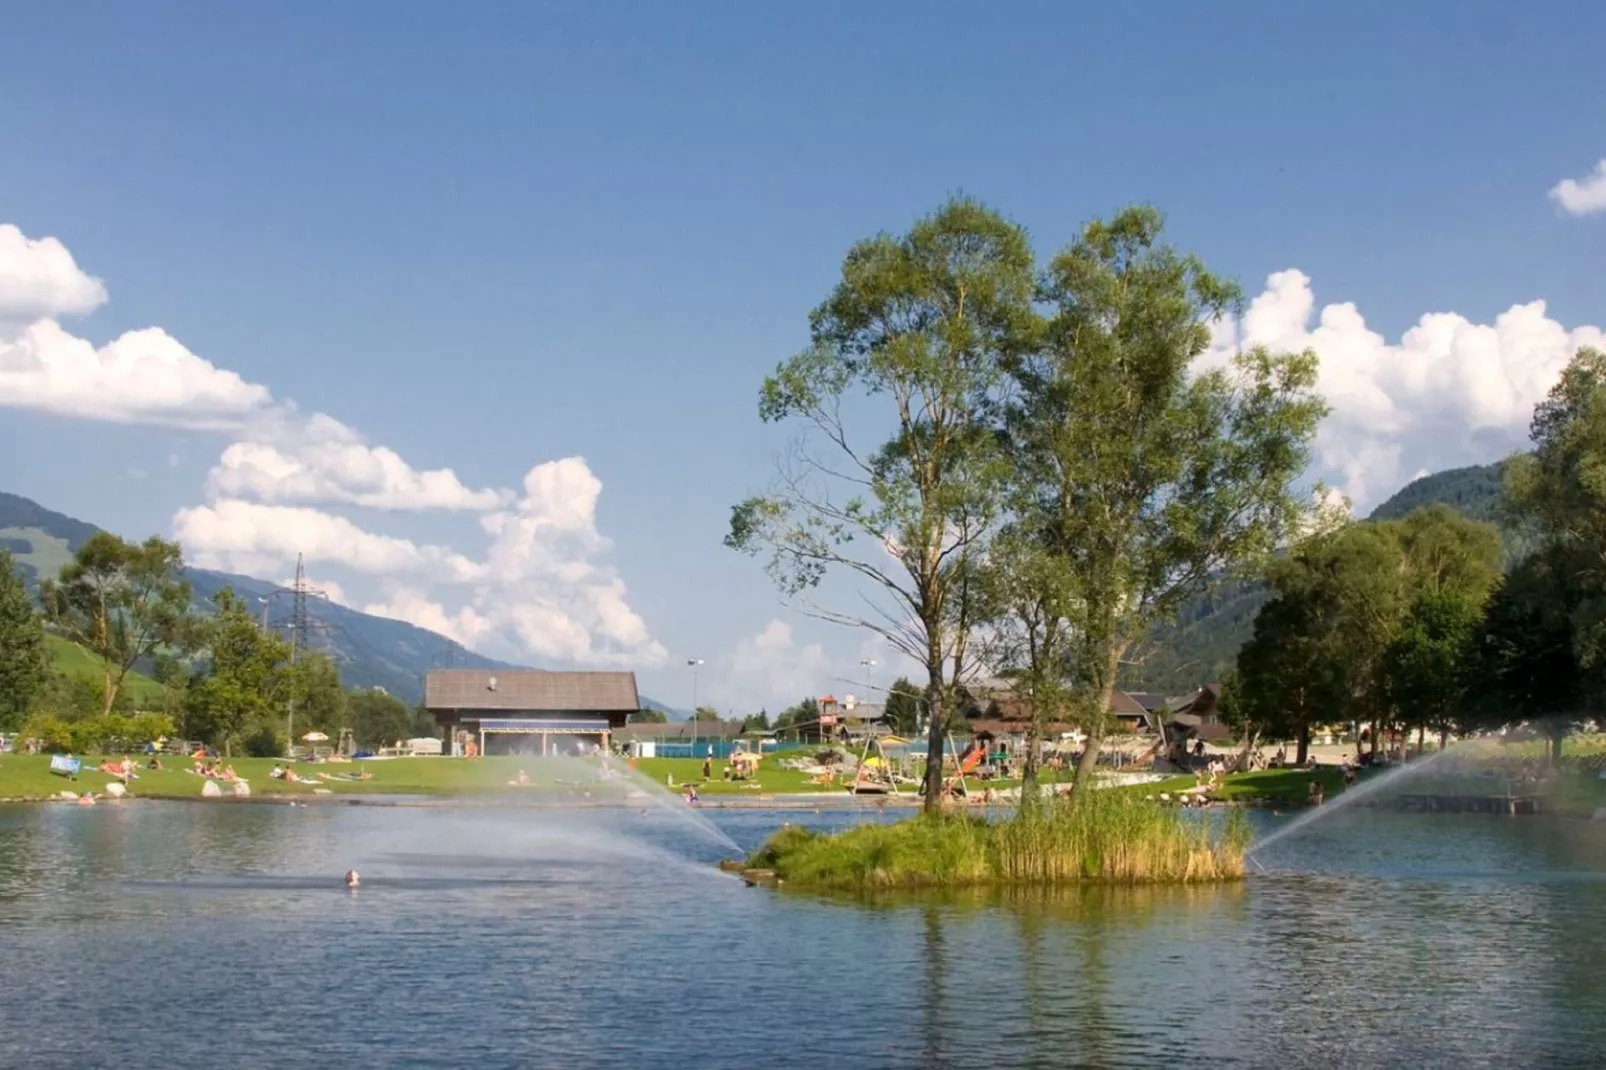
x=1201 y=645
x=70 y=659
x=371 y=651
x=1476 y=492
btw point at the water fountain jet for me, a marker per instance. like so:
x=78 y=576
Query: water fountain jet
x=1370 y=787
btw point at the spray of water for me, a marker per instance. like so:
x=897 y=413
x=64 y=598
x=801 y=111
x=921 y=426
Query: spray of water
x=638 y=787
x=1372 y=787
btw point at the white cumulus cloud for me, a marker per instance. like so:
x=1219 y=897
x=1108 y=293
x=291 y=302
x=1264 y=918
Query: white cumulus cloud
x=1449 y=392
x=321 y=460
x=39 y=279
x=544 y=583
x=466 y=626
x=240 y=536
x=541 y=587
x=143 y=376
x=774 y=664
x=1582 y=196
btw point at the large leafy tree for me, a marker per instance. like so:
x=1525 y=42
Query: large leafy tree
x=903 y=706
x=1318 y=646
x=1561 y=489
x=1289 y=675
x=379 y=719
x=1425 y=664
x=320 y=700
x=250 y=679
x=1138 y=475
x=24 y=663
x=1526 y=652
x=803 y=718
x=913 y=339
x=1451 y=564
x=122 y=601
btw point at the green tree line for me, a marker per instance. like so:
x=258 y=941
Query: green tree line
x=224 y=680
x=1416 y=625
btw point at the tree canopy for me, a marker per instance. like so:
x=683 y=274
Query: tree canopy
x=1052 y=471
x=121 y=601
x=24 y=665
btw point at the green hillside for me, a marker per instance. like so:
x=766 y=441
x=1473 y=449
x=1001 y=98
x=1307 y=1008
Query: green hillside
x=1475 y=492
x=1201 y=645
x=72 y=660
x=370 y=651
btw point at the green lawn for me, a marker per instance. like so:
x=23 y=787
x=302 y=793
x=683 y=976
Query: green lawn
x=772 y=779
x=29 y=776
x=1270 y=785
x=70 y=659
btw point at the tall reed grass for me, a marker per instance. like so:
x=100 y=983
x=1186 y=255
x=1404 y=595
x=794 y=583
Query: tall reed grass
x=1108 y=837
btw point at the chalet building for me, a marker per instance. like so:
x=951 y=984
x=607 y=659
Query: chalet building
x=528 y=711
x=1200 y=713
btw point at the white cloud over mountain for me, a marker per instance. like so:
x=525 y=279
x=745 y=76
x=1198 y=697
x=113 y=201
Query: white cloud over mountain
x=241 y=536
x=1448 y=392
x=1582 y=196
x=322 y=460
x=541 y=590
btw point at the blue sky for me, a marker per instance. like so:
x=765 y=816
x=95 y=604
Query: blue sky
x=502 y=236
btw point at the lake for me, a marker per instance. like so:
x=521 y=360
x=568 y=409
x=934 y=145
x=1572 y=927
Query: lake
x=179 y=934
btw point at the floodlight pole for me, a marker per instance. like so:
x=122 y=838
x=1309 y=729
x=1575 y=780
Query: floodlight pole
x=694 y=663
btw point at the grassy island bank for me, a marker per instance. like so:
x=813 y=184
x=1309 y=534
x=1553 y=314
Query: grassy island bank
x=1110 y=837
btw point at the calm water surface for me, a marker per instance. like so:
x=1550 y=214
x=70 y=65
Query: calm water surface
x=158 y=935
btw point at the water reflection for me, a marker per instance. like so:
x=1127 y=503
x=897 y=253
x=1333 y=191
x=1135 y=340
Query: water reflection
x=509 y=938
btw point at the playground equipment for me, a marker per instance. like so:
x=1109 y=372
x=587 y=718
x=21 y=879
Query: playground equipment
x=744 y=763
x=874 y=776
x=963 y=765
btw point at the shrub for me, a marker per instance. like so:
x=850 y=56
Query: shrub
x=264 y=743
x=1108 y=837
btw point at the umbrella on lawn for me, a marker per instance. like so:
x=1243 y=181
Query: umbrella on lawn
x=314 y=737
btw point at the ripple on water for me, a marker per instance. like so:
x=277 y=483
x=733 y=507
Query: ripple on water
x=184 y=935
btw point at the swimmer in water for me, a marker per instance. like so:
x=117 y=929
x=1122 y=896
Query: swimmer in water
x=351 y=878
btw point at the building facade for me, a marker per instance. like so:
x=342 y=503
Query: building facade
x=528 y=711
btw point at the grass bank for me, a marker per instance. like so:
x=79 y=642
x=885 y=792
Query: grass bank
x=1111 y=837
x=29 y=777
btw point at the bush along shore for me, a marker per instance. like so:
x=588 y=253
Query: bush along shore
x=1108 y=837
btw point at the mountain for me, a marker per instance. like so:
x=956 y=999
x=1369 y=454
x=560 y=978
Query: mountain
x=370 y=651
x=1202 y=643
x=1476 y=492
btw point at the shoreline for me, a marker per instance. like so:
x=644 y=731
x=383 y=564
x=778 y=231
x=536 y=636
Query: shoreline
x=490 y=802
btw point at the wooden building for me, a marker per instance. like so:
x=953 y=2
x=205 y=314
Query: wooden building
x=528 y=711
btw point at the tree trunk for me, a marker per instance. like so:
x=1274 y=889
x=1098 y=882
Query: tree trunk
x=1090 y=753
x=1240 y=764
x=1556 y=736
x=1302 y=747
x=932 y=789
x=1028 y=783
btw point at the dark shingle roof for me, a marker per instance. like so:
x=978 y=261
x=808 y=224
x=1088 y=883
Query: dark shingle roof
x=530 y=689
x=1124 y=705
